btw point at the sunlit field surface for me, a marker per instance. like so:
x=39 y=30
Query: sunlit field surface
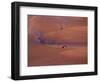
x=57 y=40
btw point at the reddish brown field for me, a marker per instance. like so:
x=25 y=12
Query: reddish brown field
x=62 y=30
